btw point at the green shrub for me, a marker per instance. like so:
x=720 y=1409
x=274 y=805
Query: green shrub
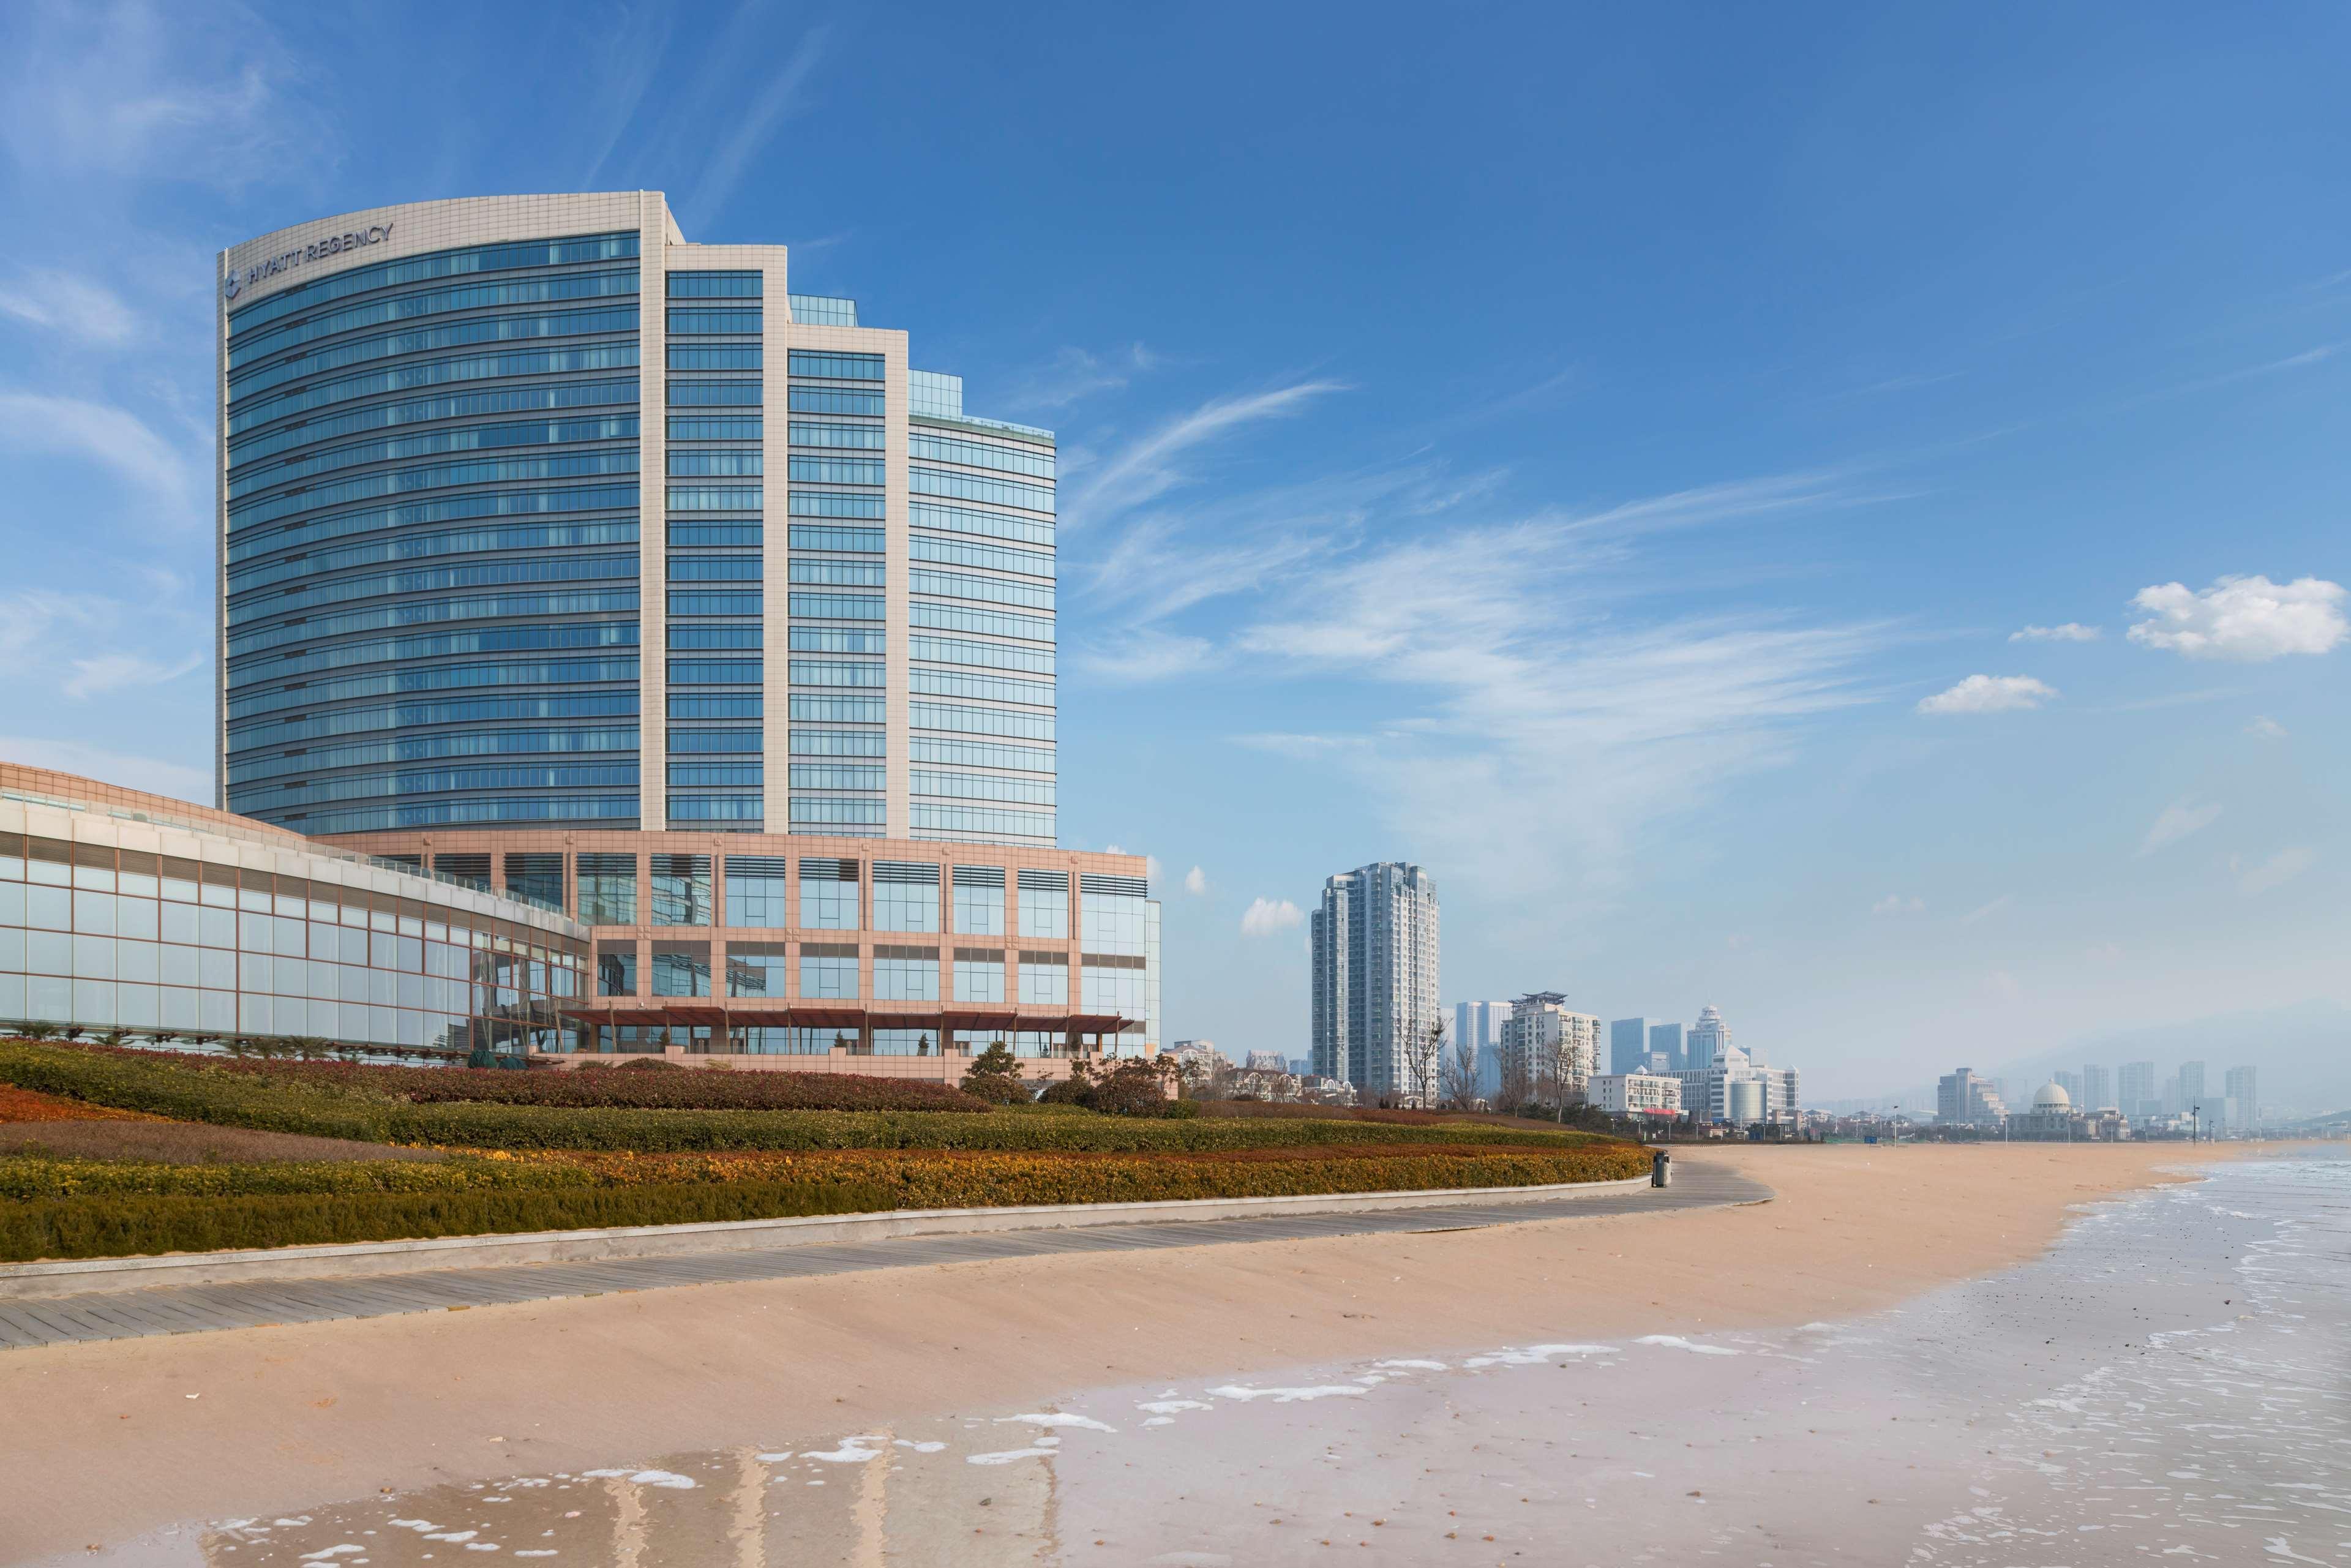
x=114 y=1225
x=199 y=1090
x=995 y=1077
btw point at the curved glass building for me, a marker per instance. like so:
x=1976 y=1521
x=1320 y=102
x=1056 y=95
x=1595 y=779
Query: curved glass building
x=508 y=592
x=125 y=911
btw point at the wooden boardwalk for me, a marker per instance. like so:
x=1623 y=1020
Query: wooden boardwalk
x=198 y=1309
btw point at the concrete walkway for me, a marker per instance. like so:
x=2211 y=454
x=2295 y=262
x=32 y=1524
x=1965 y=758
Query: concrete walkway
x=196 y=1309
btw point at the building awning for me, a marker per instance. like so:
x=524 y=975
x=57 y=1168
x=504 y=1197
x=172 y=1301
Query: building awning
x=706 y=1012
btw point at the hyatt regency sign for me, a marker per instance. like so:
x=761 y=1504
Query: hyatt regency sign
x=333 y=244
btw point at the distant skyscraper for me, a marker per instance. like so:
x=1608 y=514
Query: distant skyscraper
x=1480 y=1025
x=1267 y=1061
x=2070 y=1083
x=1964 y=1099
x=1666 y=1039
x=2191 y=1084
x=1375 y=944
x=1628 y=1044
x=2241 y=1114
x=1709 y=1037
x=2135 y=1090
x=2097 y=1088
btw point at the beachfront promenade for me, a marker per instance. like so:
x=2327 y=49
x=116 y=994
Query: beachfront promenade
x=139 y=1312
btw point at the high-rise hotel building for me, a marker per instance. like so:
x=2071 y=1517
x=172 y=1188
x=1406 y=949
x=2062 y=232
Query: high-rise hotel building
x=509 y=592
x=1373 y=946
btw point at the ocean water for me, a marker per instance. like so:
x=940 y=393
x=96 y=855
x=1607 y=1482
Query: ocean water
x=2171 y=1382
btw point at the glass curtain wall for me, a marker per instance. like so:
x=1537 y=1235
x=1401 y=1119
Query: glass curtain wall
x=432 y=541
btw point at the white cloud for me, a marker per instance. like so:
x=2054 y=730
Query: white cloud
x=1895 y=903
x=89 y=676
x=2265 y=727
x=1989 y=693
x=1265 y=916
x=1986 y=911
x=157 y=776
x=73 y=306
x=723 y=164
x=1140 y=653
x=1148 y=468
x=1076 y=374
x=2177 y=821
x=112 y=437
x=2071 y=631
x=2248 y=618
x=1196 y=881
x=140 y=91
x=1151 y=867
x=2275 y=872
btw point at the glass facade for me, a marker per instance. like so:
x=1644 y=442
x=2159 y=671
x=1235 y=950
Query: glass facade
x=423 y=449
x=210 y=936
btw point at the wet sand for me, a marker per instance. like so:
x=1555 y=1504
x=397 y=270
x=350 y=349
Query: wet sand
x=103 y=1442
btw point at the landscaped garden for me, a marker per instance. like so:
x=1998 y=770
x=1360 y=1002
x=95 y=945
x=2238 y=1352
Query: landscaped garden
x=107 y=1151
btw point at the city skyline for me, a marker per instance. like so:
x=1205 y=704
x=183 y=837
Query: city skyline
x=1927 y=607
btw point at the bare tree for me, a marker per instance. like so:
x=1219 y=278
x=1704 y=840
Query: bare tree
x=1458 y=1078
x=1423 y=1050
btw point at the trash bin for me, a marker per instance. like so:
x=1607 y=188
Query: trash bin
x=1661 y=1170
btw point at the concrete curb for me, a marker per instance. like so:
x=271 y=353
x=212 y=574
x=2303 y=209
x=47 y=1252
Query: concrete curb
x=40 y=1282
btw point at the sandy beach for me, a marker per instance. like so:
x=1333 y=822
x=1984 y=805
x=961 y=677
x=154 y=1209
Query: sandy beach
x=270 y=1419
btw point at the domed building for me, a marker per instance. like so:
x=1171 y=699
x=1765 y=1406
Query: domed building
x=2050 y=1120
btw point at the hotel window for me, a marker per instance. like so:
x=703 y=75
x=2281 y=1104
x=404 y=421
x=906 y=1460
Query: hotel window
x=905 y=896
x=828 y=972
x=829 y=899
x=680 y=889
x=905 y=1042
x=608 y=890
x=979 y=901
x=616 y=971
x=756 y=970
x=1045 y=904
x=755 y=892
x=537 y=877
x=766 y=1039
x=681 y=969
x=1045 y=979
x=1115 y=913
x=905 y=975
x=980 y=975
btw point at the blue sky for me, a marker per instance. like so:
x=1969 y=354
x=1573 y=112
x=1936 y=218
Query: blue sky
x=1612 y=458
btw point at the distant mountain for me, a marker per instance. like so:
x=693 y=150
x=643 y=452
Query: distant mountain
x=2302 y=1053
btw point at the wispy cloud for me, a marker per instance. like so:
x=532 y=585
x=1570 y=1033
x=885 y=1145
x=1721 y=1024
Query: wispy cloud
x=1543 y=714
x=1894 y=903
x=2246 y=619
x=77 y=308
x=1152 y=465
x=2177 y=821
x=2273 y=873
x=1989 y=693
x=1076 y=374
x=112 y=437
x=2265 y=727
x=78 y=646
x=627 y=51
x=1196 y=881
x=90 y=676
x=1984 y=912
x=722 y=167
x=2071 y=631
x=1144 y=654
x=135 y=90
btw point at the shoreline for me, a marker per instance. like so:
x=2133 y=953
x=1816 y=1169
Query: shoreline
x=313 y=1413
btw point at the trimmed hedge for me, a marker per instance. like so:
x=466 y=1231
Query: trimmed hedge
x=66 y=1208
x=699 y=1089
x=114 y=1227
x=196 y=1089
